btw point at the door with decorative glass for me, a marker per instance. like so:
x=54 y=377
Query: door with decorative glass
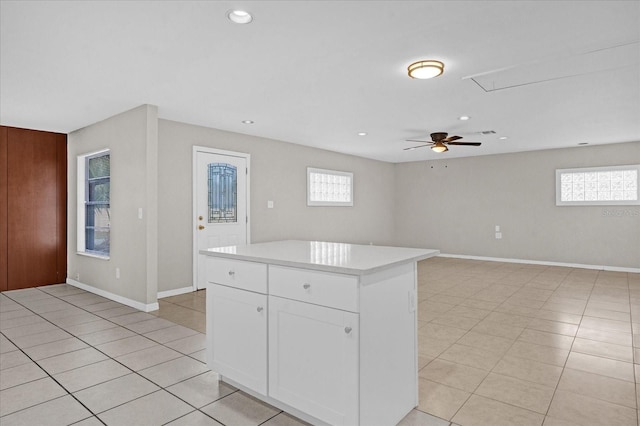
x=221 y=203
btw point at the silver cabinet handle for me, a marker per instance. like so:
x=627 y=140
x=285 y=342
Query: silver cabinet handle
x=306 y=286
x=232 y=273
x=347 y=330
x=259 y=309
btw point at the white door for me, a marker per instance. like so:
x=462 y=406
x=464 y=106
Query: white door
x=313 y=359
x=237 y=335
x=221 y=198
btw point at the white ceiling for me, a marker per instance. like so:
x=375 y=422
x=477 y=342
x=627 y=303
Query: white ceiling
x=318 y=72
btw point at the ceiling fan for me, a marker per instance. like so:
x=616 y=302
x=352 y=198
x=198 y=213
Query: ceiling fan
x=440 y=142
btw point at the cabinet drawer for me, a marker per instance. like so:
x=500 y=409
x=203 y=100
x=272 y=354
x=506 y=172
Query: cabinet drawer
x=320 y=288
x=237 y=273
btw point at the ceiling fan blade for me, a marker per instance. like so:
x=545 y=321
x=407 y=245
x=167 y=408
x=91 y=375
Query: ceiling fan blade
x=415 y=140
x=465 y=143
x=452 y=138
x=415 y=147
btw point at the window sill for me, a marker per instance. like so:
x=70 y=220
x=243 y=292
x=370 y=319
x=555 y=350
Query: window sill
x=96 y=256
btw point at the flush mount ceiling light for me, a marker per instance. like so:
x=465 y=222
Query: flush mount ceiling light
x=464 y=118
x=247 y=121
x=239 y=16
x=362 y=134
x=425 y=69
x=503 y=138
x=439 y=147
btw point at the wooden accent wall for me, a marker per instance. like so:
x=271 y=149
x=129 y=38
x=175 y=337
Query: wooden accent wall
x=4 y=214
x=36 y=206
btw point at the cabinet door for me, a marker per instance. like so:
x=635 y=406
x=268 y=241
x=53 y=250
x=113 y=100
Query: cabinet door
x=237 y=335
x=313 y=359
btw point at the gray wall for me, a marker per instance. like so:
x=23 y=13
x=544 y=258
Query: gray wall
x=131 y=137
x=454 y=205
x=278 y=173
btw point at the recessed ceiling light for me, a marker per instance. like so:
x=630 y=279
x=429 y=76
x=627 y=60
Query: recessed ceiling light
x=362 y=134
x=464 y=117
x=239 y=16
x=503 y=138
x=247 y=121
x=425 y=69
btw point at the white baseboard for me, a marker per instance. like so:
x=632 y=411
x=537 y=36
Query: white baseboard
x=543 y=262
x=175 y=292
x=116 y=298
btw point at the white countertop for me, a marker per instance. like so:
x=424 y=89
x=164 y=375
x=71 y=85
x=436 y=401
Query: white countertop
x=324 y=256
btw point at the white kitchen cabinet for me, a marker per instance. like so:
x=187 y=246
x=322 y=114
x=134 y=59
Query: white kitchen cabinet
x=237 y=335
x=324 y=331
x=313 y=359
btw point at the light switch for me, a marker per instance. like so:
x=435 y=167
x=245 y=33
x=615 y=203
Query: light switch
x=497 y=228
x=139 y=212
x=269 y=204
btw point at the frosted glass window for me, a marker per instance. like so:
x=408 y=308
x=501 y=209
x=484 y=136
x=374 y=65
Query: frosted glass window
x=598 y=186
x=329 y=188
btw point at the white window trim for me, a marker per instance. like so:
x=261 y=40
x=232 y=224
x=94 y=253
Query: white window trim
x=81 y=248
x=559 y=201
x=315 y=203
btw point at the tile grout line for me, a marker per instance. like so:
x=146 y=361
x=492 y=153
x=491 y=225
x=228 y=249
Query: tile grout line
x=108 y=356
x=564 y=366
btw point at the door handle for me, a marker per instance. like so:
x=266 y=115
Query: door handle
x=201 y=227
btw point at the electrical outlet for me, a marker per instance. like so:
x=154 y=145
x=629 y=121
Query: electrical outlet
x=77 y=276
x=498 y=235
x=269 y=204
x=117 y=273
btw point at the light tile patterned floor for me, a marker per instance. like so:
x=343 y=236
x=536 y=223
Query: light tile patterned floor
x=499 y=344
x=513 y=344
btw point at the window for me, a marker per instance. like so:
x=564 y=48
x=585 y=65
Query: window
x=598 y=186
x=94 y=209
x=329 y=188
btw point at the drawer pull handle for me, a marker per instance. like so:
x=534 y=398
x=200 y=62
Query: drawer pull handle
x=259 y=309
x=347 y=330
x=232 y=273
x=306 y=286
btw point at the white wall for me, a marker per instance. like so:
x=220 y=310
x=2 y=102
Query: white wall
x=453 y=205
x=278 y=173
x=132 y=139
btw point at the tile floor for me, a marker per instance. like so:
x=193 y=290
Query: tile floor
x=499 y=344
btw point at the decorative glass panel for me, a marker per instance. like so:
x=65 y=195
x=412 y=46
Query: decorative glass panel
x=598 y=185
x=222 y=188
x=329 y=188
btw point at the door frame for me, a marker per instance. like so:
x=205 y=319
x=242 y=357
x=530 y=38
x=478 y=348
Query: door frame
x=194 y=207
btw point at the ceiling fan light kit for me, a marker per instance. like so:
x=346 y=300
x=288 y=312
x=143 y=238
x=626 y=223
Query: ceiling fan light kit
x=425 y=69
x=439 y=147
x=440 y=142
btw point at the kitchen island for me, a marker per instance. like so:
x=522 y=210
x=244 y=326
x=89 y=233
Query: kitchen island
x=325 y=331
